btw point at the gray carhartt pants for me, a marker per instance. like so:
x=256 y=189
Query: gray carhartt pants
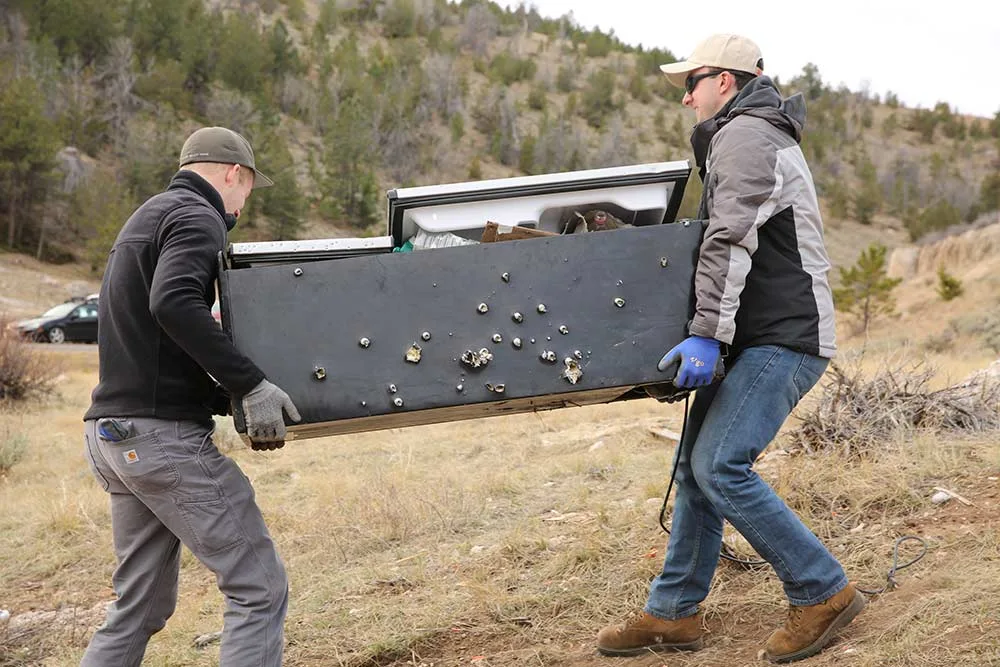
x=169 y=485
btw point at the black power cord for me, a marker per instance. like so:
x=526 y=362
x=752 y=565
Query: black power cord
x=728 y=554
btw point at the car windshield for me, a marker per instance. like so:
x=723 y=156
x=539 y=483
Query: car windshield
x=61 y=310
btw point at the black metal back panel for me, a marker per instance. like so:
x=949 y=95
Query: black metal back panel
x=623 y=299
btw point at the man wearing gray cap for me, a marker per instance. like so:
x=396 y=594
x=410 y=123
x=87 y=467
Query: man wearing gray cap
x=165 y=368
x=763 y=306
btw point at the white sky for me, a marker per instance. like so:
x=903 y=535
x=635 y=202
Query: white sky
x=925 y=52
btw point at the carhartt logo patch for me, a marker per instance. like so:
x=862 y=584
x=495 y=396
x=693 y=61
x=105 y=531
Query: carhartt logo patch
x=131 y=456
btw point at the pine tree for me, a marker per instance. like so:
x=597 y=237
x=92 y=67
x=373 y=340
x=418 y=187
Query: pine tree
x=866 y=291
x=28 y=145
x=949 y=287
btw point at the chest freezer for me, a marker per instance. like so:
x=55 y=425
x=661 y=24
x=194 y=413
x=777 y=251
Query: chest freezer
x=363 y=338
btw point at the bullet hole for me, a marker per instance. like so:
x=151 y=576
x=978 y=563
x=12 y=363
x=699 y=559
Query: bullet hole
x=391 y=388
x=413 y=354
x=497 y=338
x=425 y=335
x=572 y=372
x=364 y=342
x=542 y=308
x=297 y=272
x=320 y=373
x=398 y=402
x=664 y=262
x=563 y=329
x=483 y=308
x=477 y=359
x=516 y=343
x=548 y=355
x=517 y=317
x=505 y=277
x=620 y=302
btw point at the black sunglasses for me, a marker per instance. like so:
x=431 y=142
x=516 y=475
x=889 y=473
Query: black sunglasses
x=692 y=81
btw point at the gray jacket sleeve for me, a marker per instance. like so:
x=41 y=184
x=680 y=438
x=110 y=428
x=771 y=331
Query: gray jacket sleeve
x=744 y=188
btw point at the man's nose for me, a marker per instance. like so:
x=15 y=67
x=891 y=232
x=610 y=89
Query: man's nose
x=686 y=100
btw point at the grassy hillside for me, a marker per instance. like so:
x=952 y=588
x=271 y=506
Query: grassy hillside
x=347 y=98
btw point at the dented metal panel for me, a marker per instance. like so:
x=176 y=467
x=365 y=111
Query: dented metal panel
x=568 y=320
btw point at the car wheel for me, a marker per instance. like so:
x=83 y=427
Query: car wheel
x=57 y=335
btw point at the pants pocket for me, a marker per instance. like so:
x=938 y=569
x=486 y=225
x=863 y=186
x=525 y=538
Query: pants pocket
x=88 y=452
x=213 y=527
x=143 y=464
x=808 y=373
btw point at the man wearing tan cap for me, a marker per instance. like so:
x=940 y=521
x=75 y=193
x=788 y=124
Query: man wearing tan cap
x=765 y=310
x=148 y=432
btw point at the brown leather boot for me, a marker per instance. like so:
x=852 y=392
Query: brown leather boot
x=644 y=633
x=810 y=628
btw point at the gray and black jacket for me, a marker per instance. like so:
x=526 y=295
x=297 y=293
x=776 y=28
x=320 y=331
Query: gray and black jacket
x=762 y=270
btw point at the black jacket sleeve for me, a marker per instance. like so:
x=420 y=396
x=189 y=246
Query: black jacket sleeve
x=189 y=241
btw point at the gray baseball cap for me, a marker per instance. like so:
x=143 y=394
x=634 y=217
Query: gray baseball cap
x=222 y=145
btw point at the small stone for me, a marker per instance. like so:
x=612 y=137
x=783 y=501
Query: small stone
x=941 y=497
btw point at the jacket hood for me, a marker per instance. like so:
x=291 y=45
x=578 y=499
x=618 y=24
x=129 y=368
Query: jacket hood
x=761 y=98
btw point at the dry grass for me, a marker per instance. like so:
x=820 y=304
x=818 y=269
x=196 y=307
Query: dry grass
x=506 y=541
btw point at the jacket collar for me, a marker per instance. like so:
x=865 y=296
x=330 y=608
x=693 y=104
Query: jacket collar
x=186 y=179
x=760 y=98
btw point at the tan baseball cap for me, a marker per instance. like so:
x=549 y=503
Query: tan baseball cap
x=222 y=145
x=731 y=52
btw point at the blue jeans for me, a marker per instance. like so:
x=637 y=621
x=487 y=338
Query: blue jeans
x=729 y=425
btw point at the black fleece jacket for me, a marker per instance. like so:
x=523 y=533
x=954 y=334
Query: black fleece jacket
x=159 y=347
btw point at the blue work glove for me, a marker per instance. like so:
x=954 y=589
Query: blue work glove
x=698 y=358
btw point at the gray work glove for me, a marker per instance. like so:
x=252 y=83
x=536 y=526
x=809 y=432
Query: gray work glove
x=262 y=408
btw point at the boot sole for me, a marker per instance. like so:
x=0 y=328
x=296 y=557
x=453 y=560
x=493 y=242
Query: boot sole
x=628 y=652
x=841 y=621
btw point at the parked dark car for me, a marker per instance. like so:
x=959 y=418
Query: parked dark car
x=70 y=321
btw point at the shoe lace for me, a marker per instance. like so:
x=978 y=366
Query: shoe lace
x=633 y=619
x=794 y=617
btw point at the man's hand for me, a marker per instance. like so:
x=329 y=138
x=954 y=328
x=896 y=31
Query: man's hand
x=262 y=410
x=698 y=358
